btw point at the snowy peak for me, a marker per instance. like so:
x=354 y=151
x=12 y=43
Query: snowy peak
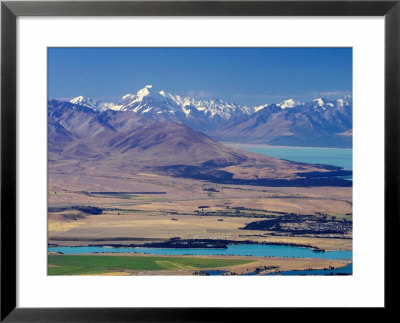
x=154 y=102
x=77 y=100
x=260 y=107
x=288 y=104
x=147 y=100
x=149 y=90
x=145 y=91
x=322 y=103
x=347 y=100
x=93 y=104
x=319 y=102
x=213 y=108
x=87 y=102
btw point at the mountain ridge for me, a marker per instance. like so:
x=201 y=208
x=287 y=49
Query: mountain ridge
x=320 y=122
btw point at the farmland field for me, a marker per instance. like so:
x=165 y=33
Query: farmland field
x=96 y=264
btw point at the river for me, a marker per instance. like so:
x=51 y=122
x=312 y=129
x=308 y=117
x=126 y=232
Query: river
x=258 y=250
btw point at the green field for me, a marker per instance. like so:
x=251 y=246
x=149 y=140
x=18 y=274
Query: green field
x=93 y=264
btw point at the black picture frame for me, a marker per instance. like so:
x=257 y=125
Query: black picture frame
x=10 y=10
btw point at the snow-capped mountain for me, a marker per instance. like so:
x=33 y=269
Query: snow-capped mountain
x=162 y=106
x=289 y=122
x=289 y=104
x=326 y=103
x=149 y=99
x=146 y=100
x=152 y=101
x=93 y=104
x=322 y=122
x=87 y=102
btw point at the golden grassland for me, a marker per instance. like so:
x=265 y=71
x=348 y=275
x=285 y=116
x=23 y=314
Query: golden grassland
x=176 y=213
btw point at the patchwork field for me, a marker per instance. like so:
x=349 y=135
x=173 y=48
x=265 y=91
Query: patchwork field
x=82 y=264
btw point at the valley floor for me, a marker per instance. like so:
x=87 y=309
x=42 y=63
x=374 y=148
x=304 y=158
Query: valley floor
x=149 y=207
x=92 y=207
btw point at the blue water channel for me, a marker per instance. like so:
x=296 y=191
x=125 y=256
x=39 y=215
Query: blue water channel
x=258 y=250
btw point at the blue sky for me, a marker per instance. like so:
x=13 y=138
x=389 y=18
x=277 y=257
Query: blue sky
x=249 y=76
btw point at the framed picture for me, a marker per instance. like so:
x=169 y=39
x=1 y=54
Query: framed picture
x=161 y=159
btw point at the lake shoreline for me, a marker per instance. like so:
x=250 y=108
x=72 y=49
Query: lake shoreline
x=341 y=157
x=238 y=145
x=232 y=250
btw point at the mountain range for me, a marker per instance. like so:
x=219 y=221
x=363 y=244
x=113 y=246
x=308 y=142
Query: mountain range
x=321 y=122
x=81 y=133
x=82 y=138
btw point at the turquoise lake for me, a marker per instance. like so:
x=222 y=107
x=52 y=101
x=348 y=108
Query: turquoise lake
x=232 y=250
x=327 y=156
